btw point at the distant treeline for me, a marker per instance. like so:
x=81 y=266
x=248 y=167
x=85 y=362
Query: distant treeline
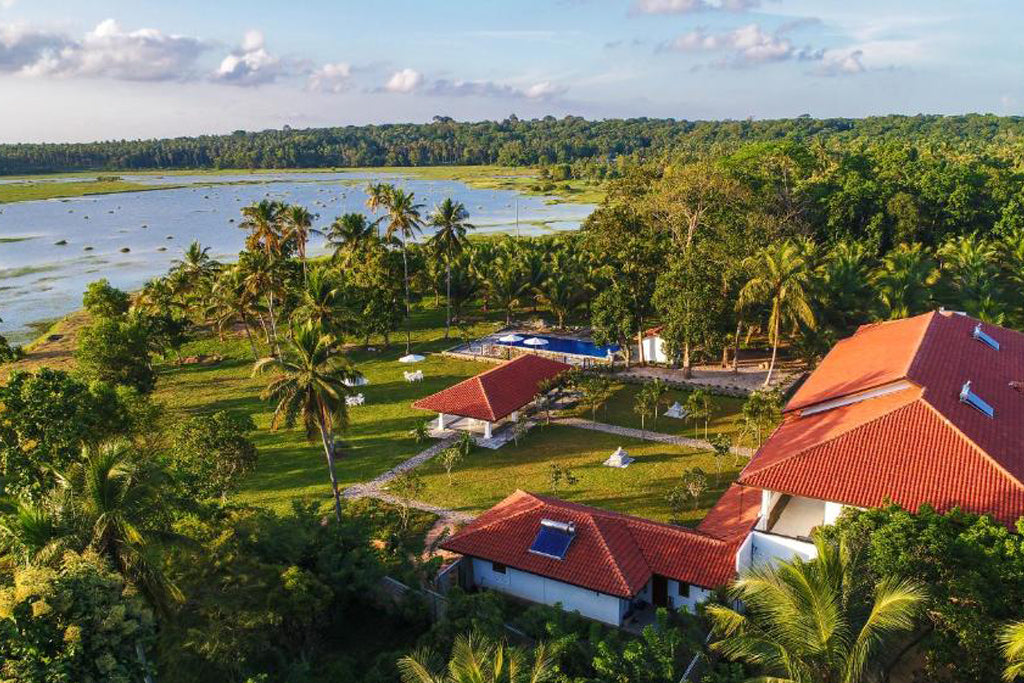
x=511 y=142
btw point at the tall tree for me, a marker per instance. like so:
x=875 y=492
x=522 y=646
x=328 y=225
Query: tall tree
x=403 y=220
x=451 y=221
x=904 y=281
x=263 y=221
x=297 y=227
x=780 y=276
x=310 y=385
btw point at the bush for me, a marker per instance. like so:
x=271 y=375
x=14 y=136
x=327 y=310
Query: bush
x=116 y=351
x=104 y=301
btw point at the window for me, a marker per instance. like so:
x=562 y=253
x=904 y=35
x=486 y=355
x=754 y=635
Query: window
x=498 y=568
x=972 y=399
x=985 y=338
x=684 y=590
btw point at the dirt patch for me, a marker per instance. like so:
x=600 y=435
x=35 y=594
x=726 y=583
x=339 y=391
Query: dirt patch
x=55 y=348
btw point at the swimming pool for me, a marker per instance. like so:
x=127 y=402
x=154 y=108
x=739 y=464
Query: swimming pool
x=576 y=347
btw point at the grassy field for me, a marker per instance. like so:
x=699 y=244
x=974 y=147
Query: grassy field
x=31 y=191
x=725 y=414
x=523 y=180
x=487 y=476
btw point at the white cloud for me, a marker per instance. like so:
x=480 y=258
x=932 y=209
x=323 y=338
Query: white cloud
x=251 y=64
x=842 y=64
x=749 y=45
x=404 y=81
x=5 y=4
x=692 y=6
x=107 y=51
x=336 y=77
x=545 y=90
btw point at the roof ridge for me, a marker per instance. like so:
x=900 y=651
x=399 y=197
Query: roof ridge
x=501 y=505
x=818 y=444
x=483 y=392
x=916 y=357
x=610 y=554
x=984 y=454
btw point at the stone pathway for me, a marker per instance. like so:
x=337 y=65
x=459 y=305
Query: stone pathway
x=647 y=435
x=375 y=488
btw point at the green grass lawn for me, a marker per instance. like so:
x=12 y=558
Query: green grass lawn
x=487 y=476
x=726 y=416
x=290 y=468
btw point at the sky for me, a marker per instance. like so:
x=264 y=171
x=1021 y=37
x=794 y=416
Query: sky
x=122 y=69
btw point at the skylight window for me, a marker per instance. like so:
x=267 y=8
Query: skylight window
x=983 y=336
x=553 y=539
x=972 y=399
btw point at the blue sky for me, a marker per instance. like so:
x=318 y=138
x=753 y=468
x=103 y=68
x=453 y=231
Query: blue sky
x=144 y=68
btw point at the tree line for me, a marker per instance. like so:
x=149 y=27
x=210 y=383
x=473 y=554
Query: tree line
x=510 y=142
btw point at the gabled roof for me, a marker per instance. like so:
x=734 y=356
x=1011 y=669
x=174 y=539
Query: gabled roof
x=496 y=393
x=611 y=553
x=917 y=444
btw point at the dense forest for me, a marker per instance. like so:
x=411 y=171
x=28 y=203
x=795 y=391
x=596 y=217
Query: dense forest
x=512 y=142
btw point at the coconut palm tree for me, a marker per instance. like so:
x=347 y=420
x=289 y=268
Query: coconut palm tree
x=349 y=232
x=781 y=276
x=478 y=659
x=232 y=302
x=263 y=221
x=971 y=267
x=376 y=198
x=904 y=281
x=32 y=533
x=113 y=497
x=196 y=262
x=404 y=223
x=310 y=385
x=297 y=226
x=562 y=290
x=452 y=221
x=1011 y=639
x=816 y=621
x=322 y=302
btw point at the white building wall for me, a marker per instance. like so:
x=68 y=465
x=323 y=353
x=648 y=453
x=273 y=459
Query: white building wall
x=696 y=596
x=606 y=608
x=654 y=350
x=832 y=512
x=769 y=548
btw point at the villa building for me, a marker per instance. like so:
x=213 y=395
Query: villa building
x=924 y=410
x=601 y=564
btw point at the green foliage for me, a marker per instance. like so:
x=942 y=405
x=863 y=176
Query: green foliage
x=75 y=624
x=658 y=656
x=824 y=620
x=972 y=566
x=212 y=452
x=116 y=351
x=559 y=475
x=761 y=411
x=695 y=483
x=267 y=593
x=46 y=417
x=104 y=301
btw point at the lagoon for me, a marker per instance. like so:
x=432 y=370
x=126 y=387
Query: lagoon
x=51 y=249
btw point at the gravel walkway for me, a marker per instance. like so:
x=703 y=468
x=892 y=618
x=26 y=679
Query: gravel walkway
x=647 y=435
x=375 y=488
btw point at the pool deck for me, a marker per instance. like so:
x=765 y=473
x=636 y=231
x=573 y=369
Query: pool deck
x=488 y=348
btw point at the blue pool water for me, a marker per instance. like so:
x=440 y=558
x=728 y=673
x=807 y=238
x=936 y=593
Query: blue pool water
x=576 y=347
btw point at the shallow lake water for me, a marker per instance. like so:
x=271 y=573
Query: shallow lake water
x=50 y=250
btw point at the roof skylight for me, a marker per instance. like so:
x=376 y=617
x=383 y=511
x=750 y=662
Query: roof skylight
x=983 y=336
x=972 y=399
x=553 y=539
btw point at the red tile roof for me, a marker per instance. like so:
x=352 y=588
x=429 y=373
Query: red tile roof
x=496 y=393
x=919 y=444
x=611 y=553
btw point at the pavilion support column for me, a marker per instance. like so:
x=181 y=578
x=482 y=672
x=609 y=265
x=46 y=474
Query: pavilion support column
x=440 y=421
x=487 y=430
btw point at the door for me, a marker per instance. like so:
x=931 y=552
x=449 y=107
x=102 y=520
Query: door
x=659 y=591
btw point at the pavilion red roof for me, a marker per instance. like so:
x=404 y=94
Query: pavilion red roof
x=496 y=393
x=612 y=553
x=881 y=418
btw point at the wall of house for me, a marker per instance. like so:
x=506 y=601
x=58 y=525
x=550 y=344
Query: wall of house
x=832 y=512
x=654 y=350
x=696 y=596
x=606 y=608
x=769 y=548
